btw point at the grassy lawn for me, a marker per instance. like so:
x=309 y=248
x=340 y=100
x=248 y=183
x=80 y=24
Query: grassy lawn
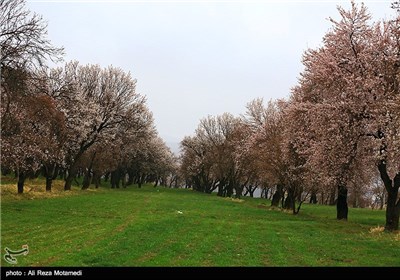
x=142 y=227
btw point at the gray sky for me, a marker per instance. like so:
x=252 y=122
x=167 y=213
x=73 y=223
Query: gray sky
x=195 y=58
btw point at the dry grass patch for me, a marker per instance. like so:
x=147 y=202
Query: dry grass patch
x=378 y=229
x=35 y=189
x=234 y=199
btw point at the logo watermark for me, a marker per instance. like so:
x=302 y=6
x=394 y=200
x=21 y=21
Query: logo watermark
x=10 y=254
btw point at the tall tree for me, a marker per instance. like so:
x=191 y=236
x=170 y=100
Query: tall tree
x=28 y=118
x=350 y=91
x=102 y=100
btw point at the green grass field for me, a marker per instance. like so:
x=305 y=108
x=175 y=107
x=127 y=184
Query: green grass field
x=142 y=227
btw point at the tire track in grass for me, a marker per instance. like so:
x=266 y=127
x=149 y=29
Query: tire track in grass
x=108 y=236
x=82 y=235
x=163 y=244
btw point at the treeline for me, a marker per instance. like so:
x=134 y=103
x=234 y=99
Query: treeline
x=74 y=119
x=338 y=134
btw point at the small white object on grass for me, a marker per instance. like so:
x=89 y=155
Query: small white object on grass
x=180 y=212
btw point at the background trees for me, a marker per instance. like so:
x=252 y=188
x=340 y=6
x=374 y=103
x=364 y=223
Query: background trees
x=70 y=120
x=103 y=100
x=30 y=122
x=208 y=160
x=264 y=144
x=340 y=123
x=349 y=90
x=336 y=134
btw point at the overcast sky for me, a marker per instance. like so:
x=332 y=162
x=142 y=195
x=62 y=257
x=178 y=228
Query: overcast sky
x=195 y=58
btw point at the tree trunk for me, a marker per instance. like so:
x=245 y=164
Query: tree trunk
x=88 y=174
x=163 y=181
x=86 y=180
x=141 y=180
x=50 y=172
x=355 y=200
x=49 y=181
x=106 y=177
x=195 y=183
x=393 y=202
x=322 y=201
x=220 y=189
x=238 y=191
x=21 y=181
x=277 y=196
x=68 y=183
x=341 y=206
x=5 y=171
x=98 y=182
x=123 y=179
x=229 y=190
x=332 y=196
x=252 y=191
x=299 y=194
x=266 y=193
x=96 y=179
x=71 y=176
x=131 y=176
x=289 y=201
x=207 y=188
x=115 y=178
x=392 y=212
x=313 y=198
x=271 y=194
